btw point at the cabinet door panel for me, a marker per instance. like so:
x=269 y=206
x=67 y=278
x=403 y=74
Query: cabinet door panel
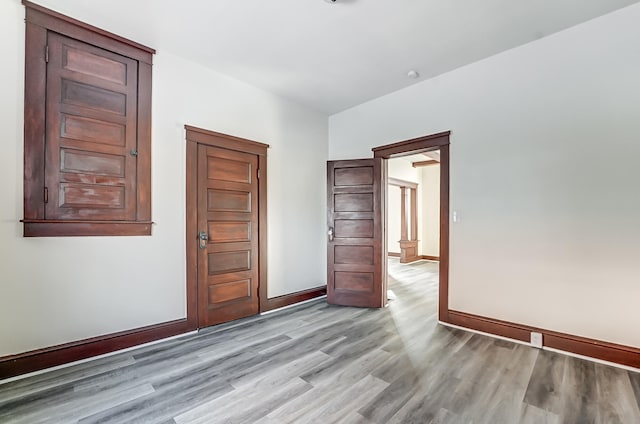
x=91 y=160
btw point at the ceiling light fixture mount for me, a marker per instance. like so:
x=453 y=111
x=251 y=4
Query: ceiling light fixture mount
x=413 y=74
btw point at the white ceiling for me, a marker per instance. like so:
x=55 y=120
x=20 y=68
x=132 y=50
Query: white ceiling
x=332 y=56
x=420 y=157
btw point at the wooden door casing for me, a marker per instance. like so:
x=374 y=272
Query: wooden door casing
x=356 y=259
x=438 y=141
x=228 y=261
x=77 y=79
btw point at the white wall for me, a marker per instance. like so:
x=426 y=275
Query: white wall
x=57 y=290
x=402 y=169
x=393 y=219
x=430 y=220
x=545 y=176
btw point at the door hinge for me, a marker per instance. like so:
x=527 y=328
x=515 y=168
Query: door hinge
x=134 y=152
x=46 y=195
x=46 y=54
x=258 y=173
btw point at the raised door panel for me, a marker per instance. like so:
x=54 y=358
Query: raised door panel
x=353 y=202
x=229 y=200
x=86 y=96
x=226 y=292
x=353 y=228
x=221 y=232
x=91 y=132
x=229 y=170
x=361 y=255
x=355 y=256
x=354 y=281
x=361 y=175
x=228 y=210
x=75 y=161
x=226 y=262
x=94 y=196
x=94 y=65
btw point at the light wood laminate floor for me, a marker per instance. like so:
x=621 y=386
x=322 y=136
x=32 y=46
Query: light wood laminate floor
x=323 y=364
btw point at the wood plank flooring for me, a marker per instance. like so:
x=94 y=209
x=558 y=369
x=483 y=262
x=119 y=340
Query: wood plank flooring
x=323 y=364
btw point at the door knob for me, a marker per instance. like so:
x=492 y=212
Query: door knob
x=204 y=238
x=330 y=233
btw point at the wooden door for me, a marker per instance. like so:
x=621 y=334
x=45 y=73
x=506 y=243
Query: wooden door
x=228 y=226
x=91 y=132
x=356 y=253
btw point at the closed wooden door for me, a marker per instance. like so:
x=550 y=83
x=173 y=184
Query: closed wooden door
x=228 y=225
x=356 y=258
x=91 y=132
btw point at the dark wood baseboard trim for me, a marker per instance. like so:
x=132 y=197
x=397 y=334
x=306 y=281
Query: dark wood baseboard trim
x=430 y=258
x=491 y=326
x=290 y=299
x=426 y=257
x=36 y=360
x=611 y=352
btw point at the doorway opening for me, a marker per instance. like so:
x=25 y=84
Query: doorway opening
x=413 y=227
x=413 y=207
x=433 y=148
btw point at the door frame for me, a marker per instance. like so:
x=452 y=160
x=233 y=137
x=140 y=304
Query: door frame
x=438 y=141
x=198 y=136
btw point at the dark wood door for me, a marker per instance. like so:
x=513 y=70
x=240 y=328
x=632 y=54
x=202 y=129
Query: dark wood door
x=228 y=225
x=91 y=132
x=356 y=259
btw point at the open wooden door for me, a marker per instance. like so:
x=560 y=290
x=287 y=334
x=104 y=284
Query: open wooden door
x=356 y=249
